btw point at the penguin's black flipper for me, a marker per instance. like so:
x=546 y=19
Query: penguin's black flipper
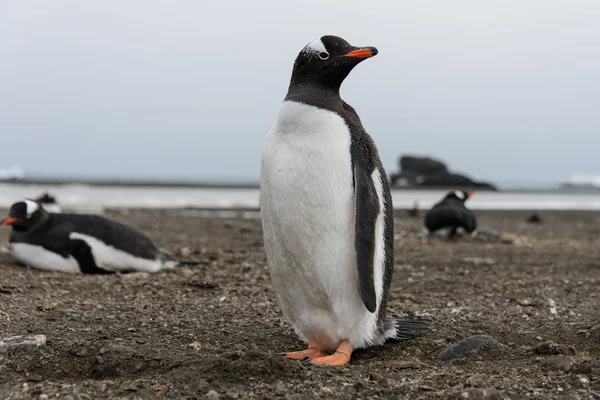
x=366 y=210
x=82 y=253
x=407 y=329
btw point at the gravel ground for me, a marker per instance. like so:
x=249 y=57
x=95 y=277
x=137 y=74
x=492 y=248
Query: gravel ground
x=214 y=331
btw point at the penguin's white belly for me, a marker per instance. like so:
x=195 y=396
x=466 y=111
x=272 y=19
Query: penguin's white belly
x=307 y=204
x=110 y=258
x=40 y=258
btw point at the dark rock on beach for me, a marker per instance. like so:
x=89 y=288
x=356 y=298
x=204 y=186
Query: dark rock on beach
x=429 y=172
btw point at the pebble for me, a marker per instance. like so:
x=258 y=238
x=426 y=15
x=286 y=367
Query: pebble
x=550 y=348
x=34 y=378
x=212 y=394
x=22 y=341
x=463 y=347
x=508 y=238
x=562 y=363
x=479 y=260
x=479 y=394
x=81 y=353
x=185 y=251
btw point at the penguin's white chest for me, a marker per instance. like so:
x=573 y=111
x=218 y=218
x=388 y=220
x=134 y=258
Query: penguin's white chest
x=307 y=205
x=40 y=258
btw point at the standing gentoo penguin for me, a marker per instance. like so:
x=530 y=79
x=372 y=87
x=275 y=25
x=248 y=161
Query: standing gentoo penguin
x=450 y=214
x=49 y=203
x=327 y=212
x=80 y=243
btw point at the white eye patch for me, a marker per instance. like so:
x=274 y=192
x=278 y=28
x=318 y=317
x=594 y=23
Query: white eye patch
x=32 y=207
x=315 y=47
x=459 y=194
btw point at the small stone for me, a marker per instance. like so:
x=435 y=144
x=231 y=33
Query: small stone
x=212 y=394
x=550 y=348
x=479 y=260
x=46 y=307
x=100 y=360
x=195 y=345
x=81 y=353
x=22 y=341
x=160 y=388
x=359 y=386
x=561 y=363
x=526 y=302
x=508 y=238
x=463 y=347
x=479 y=394
x=185 y=251
x=34 y=378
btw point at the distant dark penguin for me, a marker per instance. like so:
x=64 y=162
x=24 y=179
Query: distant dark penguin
x=327 y=212
x=449 y=215
x=49 y=203
x=534 y=218
x=80 y=243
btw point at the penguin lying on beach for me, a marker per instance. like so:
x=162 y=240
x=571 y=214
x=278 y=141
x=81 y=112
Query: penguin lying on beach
x=449 y=215
x=49 y=203
x=80 y=243
x=327 y=213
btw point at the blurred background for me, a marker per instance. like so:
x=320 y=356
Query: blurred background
x=166 y=104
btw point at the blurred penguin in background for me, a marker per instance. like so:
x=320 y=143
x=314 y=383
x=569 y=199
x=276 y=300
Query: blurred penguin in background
x=450 y=216
x=49 y=203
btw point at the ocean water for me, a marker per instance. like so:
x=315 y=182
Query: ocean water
x=87 y=198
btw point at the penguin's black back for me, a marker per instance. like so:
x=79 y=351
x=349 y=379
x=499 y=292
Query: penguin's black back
x=450 y=213
x=54 y=234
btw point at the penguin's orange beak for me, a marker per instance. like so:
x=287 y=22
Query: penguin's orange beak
x=469 y=194
x=366 y=52
x=9 y=221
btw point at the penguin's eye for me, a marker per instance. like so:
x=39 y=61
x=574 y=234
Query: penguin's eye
x=323 y=55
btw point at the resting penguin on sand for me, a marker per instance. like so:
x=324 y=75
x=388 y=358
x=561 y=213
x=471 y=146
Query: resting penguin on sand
x=327 y=213
x=80 y=243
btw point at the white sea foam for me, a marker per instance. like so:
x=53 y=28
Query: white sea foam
x=92 y=199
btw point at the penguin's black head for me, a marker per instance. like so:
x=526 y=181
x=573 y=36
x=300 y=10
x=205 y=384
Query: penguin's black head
x=459 y=195
x=25 y=215
x=328 y=61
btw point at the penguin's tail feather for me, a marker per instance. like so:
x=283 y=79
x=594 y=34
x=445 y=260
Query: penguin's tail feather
x=407 y=329
x=184 y=263
x=173 y=262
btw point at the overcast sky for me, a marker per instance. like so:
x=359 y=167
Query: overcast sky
x=503 y=90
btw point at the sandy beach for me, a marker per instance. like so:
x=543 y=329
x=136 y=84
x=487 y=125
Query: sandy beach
x=215 y=331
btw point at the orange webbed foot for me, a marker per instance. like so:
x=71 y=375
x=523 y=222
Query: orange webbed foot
x=301 y=355
x=340 y=357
